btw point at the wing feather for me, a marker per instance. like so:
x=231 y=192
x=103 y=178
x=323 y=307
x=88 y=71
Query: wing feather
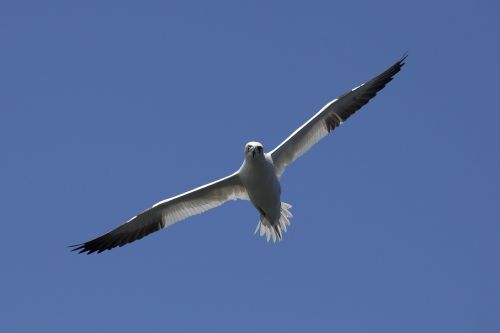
x=168 y=212
x=330 y=117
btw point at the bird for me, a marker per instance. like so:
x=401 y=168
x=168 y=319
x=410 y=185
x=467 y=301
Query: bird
x=257 y=180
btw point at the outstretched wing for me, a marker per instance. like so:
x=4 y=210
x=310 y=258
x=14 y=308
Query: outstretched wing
x=168 y=212
x=329 y=117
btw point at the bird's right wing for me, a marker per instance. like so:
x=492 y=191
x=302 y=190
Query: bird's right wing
x=168 y=212
x=329 y=117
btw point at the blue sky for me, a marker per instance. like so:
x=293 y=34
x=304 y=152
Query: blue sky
x=107 y=107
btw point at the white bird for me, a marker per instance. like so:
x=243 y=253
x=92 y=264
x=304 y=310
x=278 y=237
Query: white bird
x=257 y=180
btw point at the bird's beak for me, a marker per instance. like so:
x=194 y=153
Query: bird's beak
x=253 y=153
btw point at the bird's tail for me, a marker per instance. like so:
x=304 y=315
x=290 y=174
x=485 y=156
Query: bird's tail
x=275 y=231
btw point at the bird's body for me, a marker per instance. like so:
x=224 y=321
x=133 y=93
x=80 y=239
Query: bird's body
x=257 y=180
x=258 y=176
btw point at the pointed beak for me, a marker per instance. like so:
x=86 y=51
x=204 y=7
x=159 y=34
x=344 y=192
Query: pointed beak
x=257 y=150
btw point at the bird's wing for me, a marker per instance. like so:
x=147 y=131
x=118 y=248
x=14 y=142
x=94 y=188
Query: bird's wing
x=168 y=212
x=329 y=117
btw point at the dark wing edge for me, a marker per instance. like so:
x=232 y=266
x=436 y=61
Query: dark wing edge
x=332 y=115
x=166 y=213
x=350 y=102
x=110 y=240
x=116 y=238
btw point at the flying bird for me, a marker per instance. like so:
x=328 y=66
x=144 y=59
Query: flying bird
x=257 y=180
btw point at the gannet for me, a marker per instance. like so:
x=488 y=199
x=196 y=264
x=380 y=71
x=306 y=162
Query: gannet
x=257 y=180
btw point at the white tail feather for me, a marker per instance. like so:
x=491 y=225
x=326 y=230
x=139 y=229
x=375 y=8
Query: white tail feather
x=275 y=232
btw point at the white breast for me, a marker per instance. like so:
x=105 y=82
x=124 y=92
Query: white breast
x=262 y=185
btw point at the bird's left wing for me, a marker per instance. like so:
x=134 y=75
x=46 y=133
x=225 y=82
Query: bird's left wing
x=329 y=117
x=168 y=212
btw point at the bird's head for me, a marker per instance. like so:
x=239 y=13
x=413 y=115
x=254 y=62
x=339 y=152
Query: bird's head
x=254 y=150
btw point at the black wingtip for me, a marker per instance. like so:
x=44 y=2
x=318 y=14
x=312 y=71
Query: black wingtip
x=81 y=248
x=403 y=59
x=394 y=69
x=75 y=246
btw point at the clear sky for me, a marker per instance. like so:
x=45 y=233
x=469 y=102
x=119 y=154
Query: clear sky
x=107 y=107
